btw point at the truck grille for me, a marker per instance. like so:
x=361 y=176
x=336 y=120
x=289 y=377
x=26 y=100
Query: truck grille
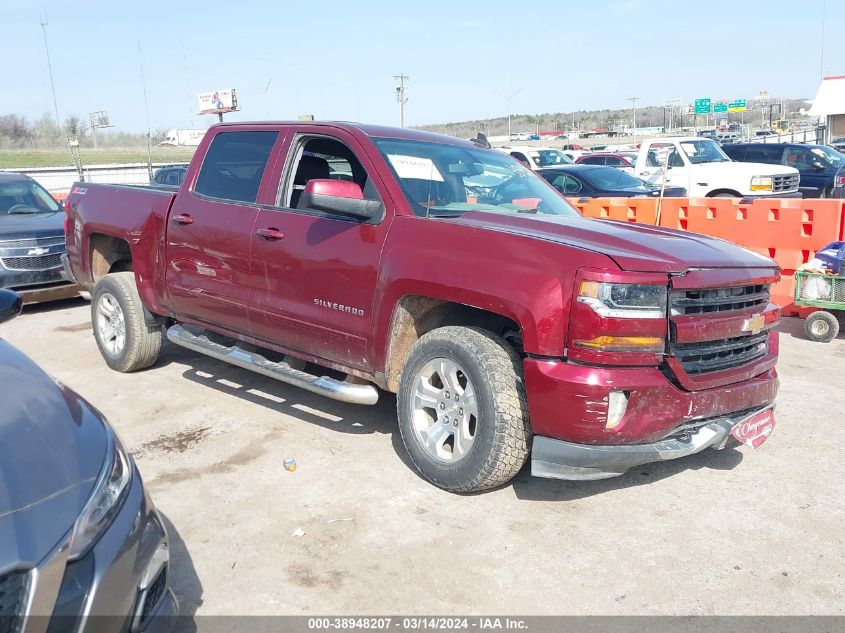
x=708 y=300
x=12 y=601
x=787 y=182
x=36 y=263
x=43 y=242
x=709 y=356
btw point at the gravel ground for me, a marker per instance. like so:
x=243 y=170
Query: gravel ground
x=730 y=532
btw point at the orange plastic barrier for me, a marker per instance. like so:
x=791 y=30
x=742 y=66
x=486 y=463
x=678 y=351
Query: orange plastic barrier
x=790 y=231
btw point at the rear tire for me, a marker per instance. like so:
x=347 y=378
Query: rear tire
x=821 y=327
x=462 y=409
x=125 y=340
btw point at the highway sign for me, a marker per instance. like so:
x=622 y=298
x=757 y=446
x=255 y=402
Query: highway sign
x=720 y=106
x=737 y=106
x=702 y=106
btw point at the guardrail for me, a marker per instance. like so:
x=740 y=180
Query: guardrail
x=790 y=231
x=58 y=180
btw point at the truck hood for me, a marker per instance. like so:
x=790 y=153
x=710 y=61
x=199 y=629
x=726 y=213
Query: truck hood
x=739 y=169
x=21 y=226
x=634 y=247
x=52 y=448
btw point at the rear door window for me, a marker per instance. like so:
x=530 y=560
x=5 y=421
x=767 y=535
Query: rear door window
x=763 y=154
x=234 y=164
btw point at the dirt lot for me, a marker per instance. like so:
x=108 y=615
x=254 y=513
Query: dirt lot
x=732 y=532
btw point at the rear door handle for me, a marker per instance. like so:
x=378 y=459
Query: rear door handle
x=183 y=219
x=271 y=234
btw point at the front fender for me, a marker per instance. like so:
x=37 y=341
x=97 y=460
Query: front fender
x=525 y=279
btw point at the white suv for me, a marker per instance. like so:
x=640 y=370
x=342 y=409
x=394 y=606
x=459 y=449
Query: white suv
x=537 y=157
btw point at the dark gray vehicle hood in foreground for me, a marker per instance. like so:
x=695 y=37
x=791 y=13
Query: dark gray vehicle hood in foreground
x=53 y=446
x=31 y=225
x=634 y=247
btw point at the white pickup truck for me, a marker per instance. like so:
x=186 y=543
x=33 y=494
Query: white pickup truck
x=704 y=170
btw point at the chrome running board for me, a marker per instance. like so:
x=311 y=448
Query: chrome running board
x=323 y=385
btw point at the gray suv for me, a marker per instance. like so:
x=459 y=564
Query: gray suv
x=79 y=537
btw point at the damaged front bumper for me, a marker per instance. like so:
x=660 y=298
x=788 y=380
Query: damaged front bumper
x=557 y=459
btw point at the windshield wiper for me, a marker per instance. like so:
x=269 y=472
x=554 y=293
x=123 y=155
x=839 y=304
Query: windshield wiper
x=27 y=212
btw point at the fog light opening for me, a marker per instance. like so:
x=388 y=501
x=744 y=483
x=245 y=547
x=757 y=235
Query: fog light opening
x=152 y=587
x=617 y=404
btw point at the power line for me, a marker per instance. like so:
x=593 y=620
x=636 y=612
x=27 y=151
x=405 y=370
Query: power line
x=400 y=96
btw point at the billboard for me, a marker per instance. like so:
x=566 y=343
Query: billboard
x=218 y=101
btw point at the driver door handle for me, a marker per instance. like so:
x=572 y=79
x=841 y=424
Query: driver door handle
x=183 y=219
x=272 y=234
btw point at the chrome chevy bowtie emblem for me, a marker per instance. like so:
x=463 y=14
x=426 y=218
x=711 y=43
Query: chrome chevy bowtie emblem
x=754 y=324
x=38 y=251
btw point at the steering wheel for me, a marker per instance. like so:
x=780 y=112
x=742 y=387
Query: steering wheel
x=21 y=205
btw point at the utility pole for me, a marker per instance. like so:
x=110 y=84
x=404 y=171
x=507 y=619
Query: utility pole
x=633 y=101
x=400 y=96
x=44 y=24
x=75 y=157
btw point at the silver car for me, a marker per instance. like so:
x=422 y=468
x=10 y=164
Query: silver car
x=79 y=537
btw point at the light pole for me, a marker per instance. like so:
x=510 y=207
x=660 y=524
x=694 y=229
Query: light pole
x=633 y=101
x=400 y=96
x=508 y=98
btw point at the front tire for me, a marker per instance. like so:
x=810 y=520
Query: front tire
x=125 y=340
x=462 y=409
x=821 y=327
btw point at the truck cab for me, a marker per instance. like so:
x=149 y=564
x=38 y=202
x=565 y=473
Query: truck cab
x=703 y=168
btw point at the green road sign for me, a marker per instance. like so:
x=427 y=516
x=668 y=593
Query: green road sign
x=702 y=106
x=720 y=106
x=737 y=106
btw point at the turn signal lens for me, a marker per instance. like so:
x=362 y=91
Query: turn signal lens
x=624 y=344
x=761 y=183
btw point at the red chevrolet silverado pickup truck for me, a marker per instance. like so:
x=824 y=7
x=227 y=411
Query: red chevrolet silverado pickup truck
x=348 y=259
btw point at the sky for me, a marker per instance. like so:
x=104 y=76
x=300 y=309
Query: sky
x=336 y=60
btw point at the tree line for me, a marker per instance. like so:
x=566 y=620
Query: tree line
x=18 y=132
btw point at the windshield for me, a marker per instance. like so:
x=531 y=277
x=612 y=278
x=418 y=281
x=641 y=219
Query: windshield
x=551 y=157
x=448 y=180
x=703 y=151
x=25 y=196
x=829 y=156
x=610 y=178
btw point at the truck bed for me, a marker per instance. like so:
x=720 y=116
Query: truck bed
x=131 y=214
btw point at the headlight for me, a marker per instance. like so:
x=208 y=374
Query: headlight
x=626 y=301
x=761 y=183
x=105 y=500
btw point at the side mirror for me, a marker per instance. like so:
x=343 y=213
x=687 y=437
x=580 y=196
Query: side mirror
x=818 y=166
x=338 y=196
x=10 y=304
